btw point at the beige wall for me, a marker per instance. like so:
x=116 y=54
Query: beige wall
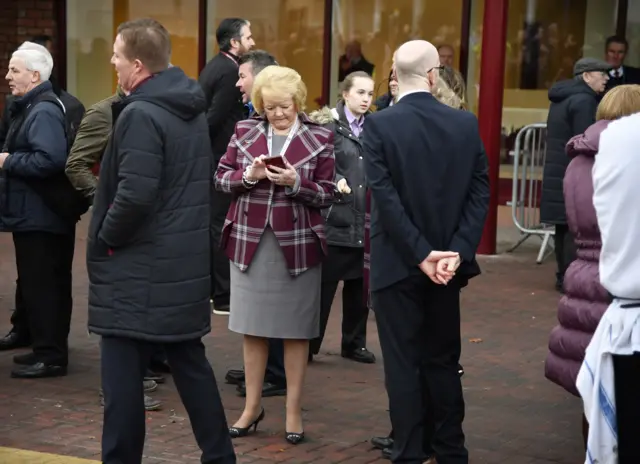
x=91 y=26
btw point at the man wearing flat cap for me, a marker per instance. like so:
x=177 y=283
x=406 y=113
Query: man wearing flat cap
x=572 y=111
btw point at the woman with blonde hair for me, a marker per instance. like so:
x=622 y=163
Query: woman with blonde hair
x=585 y=300
x=450 y=89
x=280 y=168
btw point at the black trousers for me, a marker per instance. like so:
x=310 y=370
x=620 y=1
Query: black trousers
x=19 y=318
x=124 y=362
x=274 y=372
x=43 y=296
x=220 y=285
x=419 y=329
x=354 y=314
x=565 y=249
x=627 y=391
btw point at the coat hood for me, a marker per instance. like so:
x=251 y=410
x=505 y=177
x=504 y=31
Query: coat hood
x=324 y=115
x=174 y=91
x=562 y=90
x=587 y=144
x=328 y=115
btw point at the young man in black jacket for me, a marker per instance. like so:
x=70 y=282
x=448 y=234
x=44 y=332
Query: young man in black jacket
x=224 y=109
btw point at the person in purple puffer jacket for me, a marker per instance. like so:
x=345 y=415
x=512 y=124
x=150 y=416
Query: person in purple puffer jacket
x=585 y=300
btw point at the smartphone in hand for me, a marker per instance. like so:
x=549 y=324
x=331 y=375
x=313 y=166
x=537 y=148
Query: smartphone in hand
x=275 y=161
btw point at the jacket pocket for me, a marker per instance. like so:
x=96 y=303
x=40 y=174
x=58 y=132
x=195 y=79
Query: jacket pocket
x=342 y=214
x=225 y=233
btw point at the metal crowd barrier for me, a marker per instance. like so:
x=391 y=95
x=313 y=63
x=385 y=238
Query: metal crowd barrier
x=528 y=162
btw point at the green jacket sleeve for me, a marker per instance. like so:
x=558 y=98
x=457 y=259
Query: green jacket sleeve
x=88 y=147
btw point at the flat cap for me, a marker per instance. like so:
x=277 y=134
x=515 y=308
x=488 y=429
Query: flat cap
x=590 y=64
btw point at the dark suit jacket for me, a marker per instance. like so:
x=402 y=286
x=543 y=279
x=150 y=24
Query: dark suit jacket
x=428 y=174
x=224 y=101
x=631 y=75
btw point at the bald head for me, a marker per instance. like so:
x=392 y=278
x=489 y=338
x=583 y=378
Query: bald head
x=413 y=61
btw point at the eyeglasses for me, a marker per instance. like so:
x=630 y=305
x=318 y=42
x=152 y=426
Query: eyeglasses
x=439 y=68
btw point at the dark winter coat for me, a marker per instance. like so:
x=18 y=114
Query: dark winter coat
x=585 y=300
x=224 y=100
x=345 y=218
x=148 y=248
x=573 y=109
x=39 y=152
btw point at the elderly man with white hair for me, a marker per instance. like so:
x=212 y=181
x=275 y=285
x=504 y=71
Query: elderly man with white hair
x=427 y=171
x=35 y=151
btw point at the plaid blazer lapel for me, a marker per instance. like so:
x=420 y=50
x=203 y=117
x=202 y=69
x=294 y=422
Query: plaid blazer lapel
x=304 y=146
x=254 y=142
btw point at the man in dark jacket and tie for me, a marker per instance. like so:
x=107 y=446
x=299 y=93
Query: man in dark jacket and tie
x=615 y=49
x=427 y=217
x=148 y=247
x=224 y=109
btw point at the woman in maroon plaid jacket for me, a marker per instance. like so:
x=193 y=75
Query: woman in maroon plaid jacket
x=280 y=168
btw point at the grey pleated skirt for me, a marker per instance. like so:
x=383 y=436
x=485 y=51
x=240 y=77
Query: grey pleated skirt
x=267 y=302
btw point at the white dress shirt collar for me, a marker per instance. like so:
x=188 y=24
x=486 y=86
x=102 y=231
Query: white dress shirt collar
x=410 y=92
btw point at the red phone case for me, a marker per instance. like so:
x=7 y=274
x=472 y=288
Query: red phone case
x=275 y=161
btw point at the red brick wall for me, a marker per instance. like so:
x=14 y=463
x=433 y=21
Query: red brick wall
x=19 y=21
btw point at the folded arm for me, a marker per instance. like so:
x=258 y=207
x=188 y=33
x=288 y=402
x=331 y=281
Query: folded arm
x=228 y=177
x=47 y=138
x=320 y=192
x=140 y=160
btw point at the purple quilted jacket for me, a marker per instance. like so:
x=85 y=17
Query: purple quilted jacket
x=585 y=300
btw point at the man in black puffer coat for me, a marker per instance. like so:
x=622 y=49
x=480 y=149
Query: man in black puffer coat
x=572 y=111
x=148 y=248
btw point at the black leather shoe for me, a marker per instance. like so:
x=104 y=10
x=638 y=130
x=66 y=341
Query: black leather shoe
x=235 y=376
x=361 y=355
x=39 y=370
x=13 y=340
x=382 y=442
x=268 y=389
x=26 y=359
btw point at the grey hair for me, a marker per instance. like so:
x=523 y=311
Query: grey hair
x=36 y=58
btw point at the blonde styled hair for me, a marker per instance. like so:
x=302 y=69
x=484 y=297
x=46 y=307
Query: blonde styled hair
x=444 y=94
x=620 y=101
x=279 y=82
x=450 y=88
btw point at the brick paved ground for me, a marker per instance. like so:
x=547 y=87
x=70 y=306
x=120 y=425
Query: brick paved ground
x=514 y=415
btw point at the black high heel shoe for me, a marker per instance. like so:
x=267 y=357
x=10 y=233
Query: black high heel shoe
x=237 y=432
x=294 y=438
